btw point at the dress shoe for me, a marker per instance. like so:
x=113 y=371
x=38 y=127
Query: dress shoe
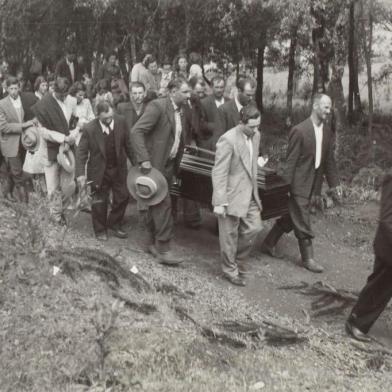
x=236 y=280
x=166 y=258
x=312 y=266
x=119 y=233
x=101 y=236
x=355 y=333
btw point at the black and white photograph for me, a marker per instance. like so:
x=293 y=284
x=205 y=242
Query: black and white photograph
x=195 y=195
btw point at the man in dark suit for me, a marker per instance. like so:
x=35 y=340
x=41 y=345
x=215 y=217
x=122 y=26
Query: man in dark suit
x=105 y=146
x=377 y=292
x=246 y=90
x=310 y=156
x=13 y=112
x=133 y=109
x=213 y=124
x=67 y=67
x=158 y=140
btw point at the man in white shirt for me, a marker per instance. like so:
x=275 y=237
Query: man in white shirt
x=12 y=125
x=235 y=194
x=54 y=112
x=310 y=156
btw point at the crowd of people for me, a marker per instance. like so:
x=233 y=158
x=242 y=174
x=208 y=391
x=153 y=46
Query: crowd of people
x=121 y=133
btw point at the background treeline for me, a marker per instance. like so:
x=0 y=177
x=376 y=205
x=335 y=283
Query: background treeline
x=323 y=37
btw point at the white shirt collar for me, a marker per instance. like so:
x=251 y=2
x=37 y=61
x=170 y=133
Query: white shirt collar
x=17 y=103
x=239 y=106
x=106 y=129
x=220 y=102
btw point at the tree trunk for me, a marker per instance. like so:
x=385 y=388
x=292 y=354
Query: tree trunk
x=367 y=49
x=260 y=76
x=290 y=79
x=354 y=99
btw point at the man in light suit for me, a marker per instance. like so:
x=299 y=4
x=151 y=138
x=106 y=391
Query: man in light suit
x=158 y=141
x=235 y=194
x=105 y=146
x=246 y=90
x=12 y=124
x=310 y=156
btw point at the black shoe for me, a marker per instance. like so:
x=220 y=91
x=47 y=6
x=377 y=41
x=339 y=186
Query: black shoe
x=236 y=280
x=101 y=236
x=119 y=233
x=356 y=334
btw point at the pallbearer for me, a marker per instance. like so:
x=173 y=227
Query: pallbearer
x=235 y=196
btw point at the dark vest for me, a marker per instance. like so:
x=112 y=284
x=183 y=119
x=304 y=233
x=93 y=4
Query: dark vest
x=110 y=150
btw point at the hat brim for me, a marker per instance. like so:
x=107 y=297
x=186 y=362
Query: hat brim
x=159 y=179
x=66 y=159
x=34 y=147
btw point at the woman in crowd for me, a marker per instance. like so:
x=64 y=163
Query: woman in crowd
x=181 y=67
x=40 y=87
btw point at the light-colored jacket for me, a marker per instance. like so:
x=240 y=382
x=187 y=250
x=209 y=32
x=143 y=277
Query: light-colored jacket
x=234 y=177
x=10 y=128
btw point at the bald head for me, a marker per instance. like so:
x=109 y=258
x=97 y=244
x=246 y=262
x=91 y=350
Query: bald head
x=321 y=109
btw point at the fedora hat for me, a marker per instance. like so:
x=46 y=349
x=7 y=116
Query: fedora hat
x=30 y=139
x=66 y=159
x=149 y=188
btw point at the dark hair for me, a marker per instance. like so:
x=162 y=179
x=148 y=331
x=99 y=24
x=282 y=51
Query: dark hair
x=176 y=84
x=110 y=54
x=61 y=85
x=137 y=84
x=195 y=80
x=51 y=78
x=76 y=87
x=12 y=80
x=248 y=112
x=103 y=107
x=149 y=60
x=38 y=81
x=242 y=82
x=217 y=78
x=102 y=84
x=177 y=59
x=195 y=58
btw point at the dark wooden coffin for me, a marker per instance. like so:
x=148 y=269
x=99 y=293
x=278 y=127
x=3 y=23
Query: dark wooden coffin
x=194 y=183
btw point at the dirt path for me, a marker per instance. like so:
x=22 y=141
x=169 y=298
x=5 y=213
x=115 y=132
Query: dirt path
x=342 y=245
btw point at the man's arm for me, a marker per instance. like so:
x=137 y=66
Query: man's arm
x=330 y=170
x=82 y=153
x=220 y=172
x=386 y=208
x=293 y=153
x=9 y=128
x=143 y=127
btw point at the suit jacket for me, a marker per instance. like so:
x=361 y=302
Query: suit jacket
x=91 y=150
x=152 y=136
x=230 y=115
x=300 y=170
x=63 y=71
x=234 y=177
x=213 y=127
x=383 y=240
x=50 y=115
x=10 y=128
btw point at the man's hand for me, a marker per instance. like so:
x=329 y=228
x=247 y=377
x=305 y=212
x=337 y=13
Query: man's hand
x=28 y=124
x=81 y=180
x=145 y=167
x=337 y=194
x=220 y=211
x=70 y=139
